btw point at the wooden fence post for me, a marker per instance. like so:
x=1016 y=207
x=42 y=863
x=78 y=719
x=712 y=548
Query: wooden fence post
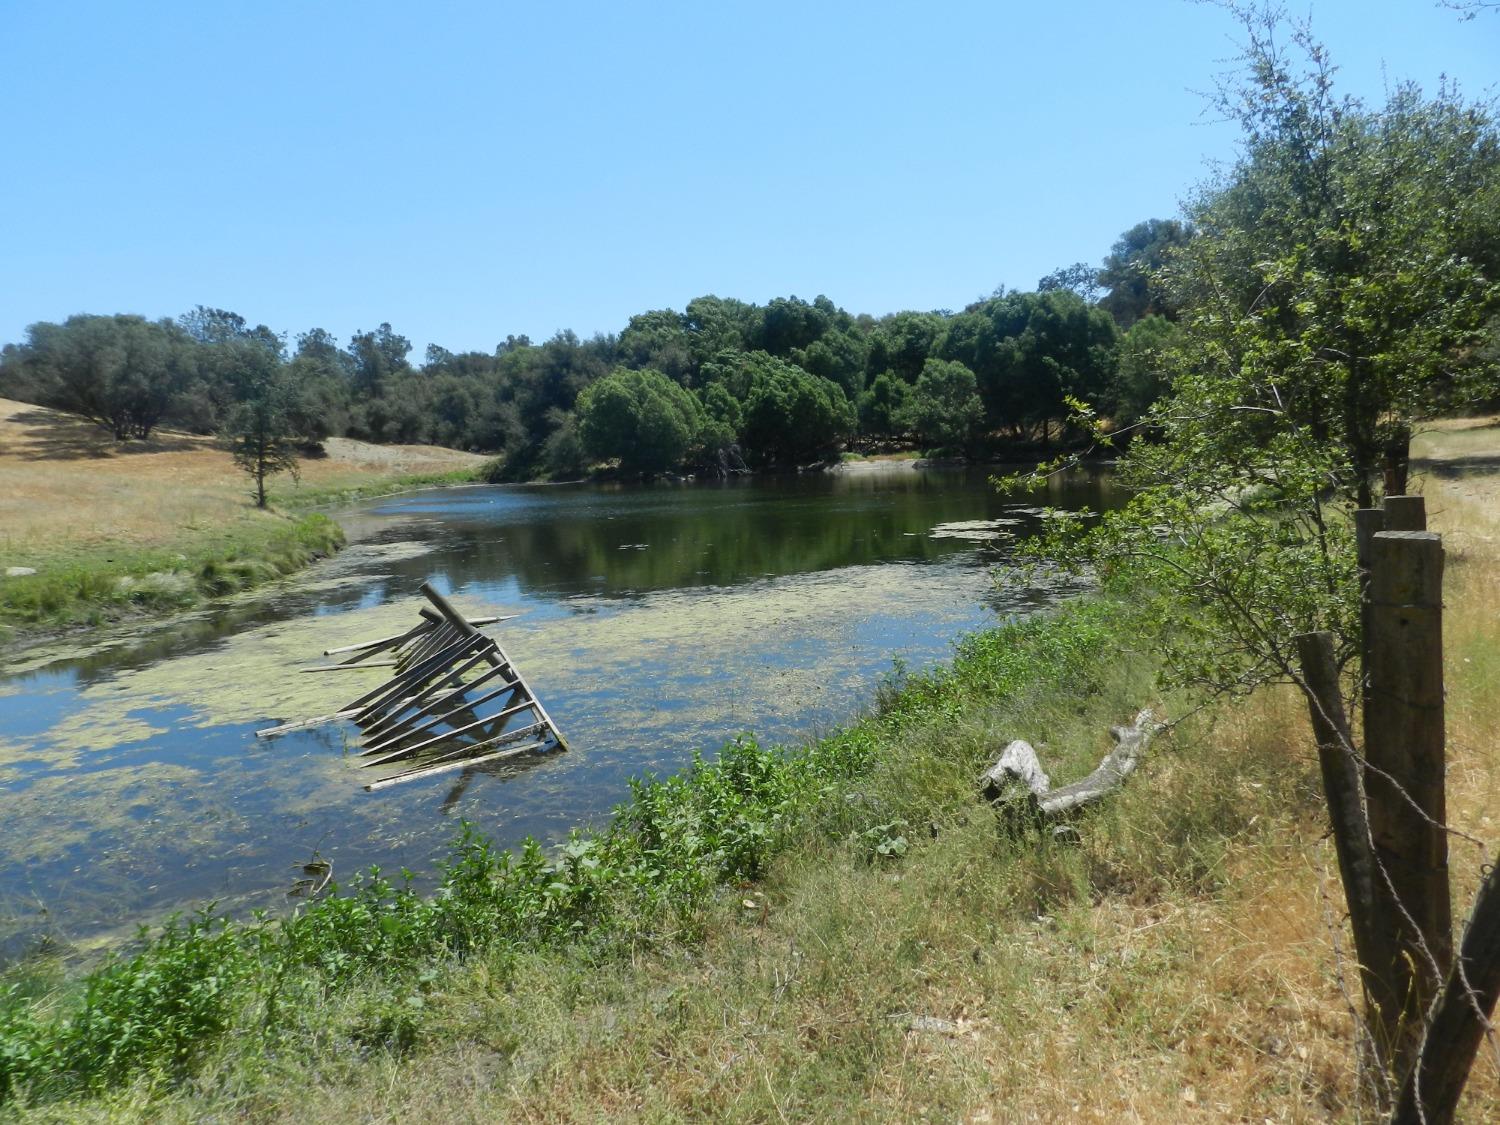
x=1405 y=513
x=1404 y=780
x=1343 y=784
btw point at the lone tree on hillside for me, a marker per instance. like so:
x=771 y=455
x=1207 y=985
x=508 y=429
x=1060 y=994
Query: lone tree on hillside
x=261 y=427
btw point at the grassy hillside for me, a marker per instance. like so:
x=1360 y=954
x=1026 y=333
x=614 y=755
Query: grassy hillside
x=118 y=528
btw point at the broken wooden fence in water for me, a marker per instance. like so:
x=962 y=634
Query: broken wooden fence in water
x=455 y=700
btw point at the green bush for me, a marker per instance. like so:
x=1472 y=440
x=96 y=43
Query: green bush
x=791 y=416
x=641 y=417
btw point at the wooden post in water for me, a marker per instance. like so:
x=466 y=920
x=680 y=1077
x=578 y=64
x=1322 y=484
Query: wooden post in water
x=1404 y=778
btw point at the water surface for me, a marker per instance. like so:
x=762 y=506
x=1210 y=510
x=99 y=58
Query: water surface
x=656 y=620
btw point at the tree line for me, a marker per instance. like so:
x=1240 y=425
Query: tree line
x=722 y=379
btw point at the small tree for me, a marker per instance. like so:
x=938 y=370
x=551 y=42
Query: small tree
x=261 y=425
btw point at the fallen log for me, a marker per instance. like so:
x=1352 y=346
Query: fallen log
x=1018 y=782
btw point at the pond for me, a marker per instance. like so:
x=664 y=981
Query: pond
x=655 y=621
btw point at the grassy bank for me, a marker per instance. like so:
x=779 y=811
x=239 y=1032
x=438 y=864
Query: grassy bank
x=118 y=529
x=93 y=584
x=657 y=877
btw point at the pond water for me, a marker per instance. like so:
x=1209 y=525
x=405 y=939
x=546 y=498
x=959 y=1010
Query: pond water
x=655 y=620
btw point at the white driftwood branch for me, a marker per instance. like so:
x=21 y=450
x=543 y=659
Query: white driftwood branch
x=1018 y=765
x=1018 y=776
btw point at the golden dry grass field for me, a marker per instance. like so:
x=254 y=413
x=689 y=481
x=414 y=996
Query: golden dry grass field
x=128 y=529
x=67 y=484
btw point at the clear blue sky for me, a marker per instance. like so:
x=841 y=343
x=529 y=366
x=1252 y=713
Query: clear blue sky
x=468 y=170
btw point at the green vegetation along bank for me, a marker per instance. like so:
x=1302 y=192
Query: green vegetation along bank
x=206 y=989
x=98 y=584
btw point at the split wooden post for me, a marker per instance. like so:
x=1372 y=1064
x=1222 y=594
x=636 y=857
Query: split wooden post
x=1405 y=513
x=1404 y=779
x=1432 y=1087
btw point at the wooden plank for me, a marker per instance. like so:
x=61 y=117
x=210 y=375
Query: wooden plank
x=350 y=667
x=431 y=694
x=392 y=737
x=393 y=639
x=457 y=619
x=439 y=638
x=302 y=724
x=448 y=767
x=417 y=674
x=526 y=705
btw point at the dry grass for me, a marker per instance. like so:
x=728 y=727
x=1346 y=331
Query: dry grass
x=70 y=489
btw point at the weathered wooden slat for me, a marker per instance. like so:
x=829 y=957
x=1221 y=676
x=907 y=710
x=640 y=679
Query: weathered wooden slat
x=417 y=674
x=537 y=730
x=458 y=621
x=418 y=704
x=448 y=767
x=439 y=638
x=529 y=704
x=382 y=642
x=393 y=737
x=351 y=667
x=302 y=724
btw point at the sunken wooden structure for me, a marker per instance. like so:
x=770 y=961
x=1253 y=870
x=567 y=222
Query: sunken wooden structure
x=453 y=701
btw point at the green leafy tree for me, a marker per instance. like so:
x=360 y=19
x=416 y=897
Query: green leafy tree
x=1080 y=278
x=374 y=357
x=261 y=426
x=880 y=407
x=944 y=408
x=1329 y=286
x=124 y=373
x=1132 y=271
x=1327 y=303
x=1145 y=357
x=645 y=419
x=790 y=414
x=903 y=341
x=1031 y=352
x=658 y=340
x=838 y=356
x=723 y=416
